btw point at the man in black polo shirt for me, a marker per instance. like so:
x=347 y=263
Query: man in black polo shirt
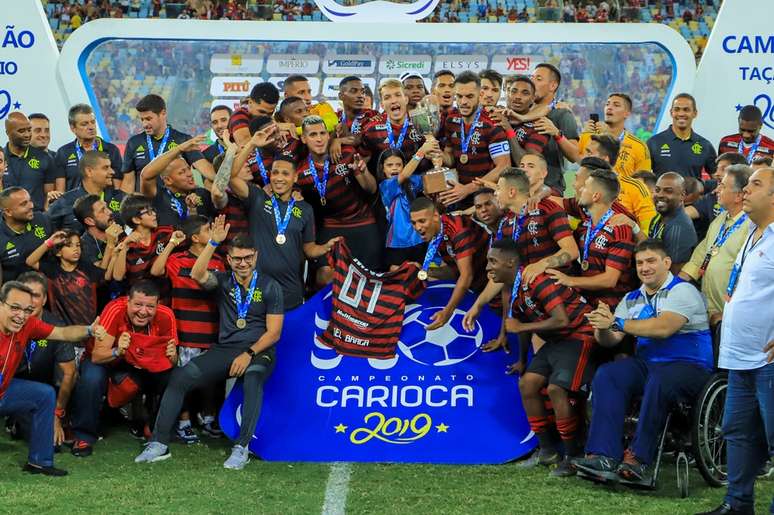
x=97 y=179
x=83 y=124
x=671 y=224
x=157 y=137
x=679 y=148
x=281 y=227
x=28 y=167
x=251 y=316
x=47 y=361
x=21 y=231
x=177 y=196
x=219 y=116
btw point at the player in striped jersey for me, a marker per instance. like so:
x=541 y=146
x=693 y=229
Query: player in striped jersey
x=472 y=142
x=460 y=243
x=262 y=101
x=195 y=311
x=606 y=249
x=558 y=315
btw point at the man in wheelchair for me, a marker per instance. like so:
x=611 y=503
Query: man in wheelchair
x=671 y=364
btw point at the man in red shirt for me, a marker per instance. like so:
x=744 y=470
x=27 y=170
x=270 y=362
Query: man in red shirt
x=137 y=352
x=461 y=244
x=19 y=396
x=748 y=141
x=262 y=101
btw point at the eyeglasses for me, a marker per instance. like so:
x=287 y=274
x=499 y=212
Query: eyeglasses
x=148 y=211
x=240 y=259
x=16 y=309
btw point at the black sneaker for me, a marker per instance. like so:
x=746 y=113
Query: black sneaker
x=565 y=468
x=81 y=449
x=211 y=430
x=635 y=474
x=544 y=457
x=597 y=468
x=46 y=471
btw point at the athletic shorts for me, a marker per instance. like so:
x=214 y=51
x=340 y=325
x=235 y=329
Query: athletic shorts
x=566 y=363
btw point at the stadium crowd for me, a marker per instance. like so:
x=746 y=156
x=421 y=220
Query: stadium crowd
x=131 y=280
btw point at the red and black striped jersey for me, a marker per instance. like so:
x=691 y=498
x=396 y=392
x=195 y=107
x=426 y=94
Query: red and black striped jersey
x=240 y=119
x=140 y=258
x=541 y=231
x=530 y=139
x=612 y=247
x=573 y=208
x=374 y=139
x=367 y=313
x=462 y=237
x=734 y=143
x=488 y=141
x=363 y=118
x=195 y=309
x=236 y=217
x=535 y=303
x=346 y=204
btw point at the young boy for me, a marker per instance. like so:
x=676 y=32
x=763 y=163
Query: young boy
x=195 y=312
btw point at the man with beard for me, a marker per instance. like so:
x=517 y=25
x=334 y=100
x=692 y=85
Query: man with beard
x=748 y=141
x=157 y=137
x=219 y=116
x=28 y=167
x=21 y=231
x=96 y=179
x=473 y=143
x=83 y=124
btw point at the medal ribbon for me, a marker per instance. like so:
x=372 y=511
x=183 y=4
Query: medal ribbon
x=151 y=152
x=180 y=207
x=515 y=290
x=261 y=166
x=432 y=248
x=517 y=224
x=753 y=149
x=391 y=136
x=242 y=307
x=97 y=145
x=28 y=352
x=465 y=140
x=282 y=225
x=592 y=232
x=320 y=185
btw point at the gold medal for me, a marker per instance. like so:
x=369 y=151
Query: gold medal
x=714 y=251
x=280 y=239
x=241 y=323
x=322 y=201
x=464 y=158
x=584 y=265
x=422 y=275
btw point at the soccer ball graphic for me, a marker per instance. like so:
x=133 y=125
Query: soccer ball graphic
x=445 y=346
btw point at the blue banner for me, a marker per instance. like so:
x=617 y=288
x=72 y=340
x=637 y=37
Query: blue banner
x=439 y=400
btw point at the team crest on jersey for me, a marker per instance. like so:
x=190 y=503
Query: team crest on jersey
x=341 y=170
x=532 y=227
x=696 y=148
x=475 y=139
x=600 y=241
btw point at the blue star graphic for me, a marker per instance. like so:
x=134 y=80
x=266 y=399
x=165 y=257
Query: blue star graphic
x=738 y=107
x=17 y=105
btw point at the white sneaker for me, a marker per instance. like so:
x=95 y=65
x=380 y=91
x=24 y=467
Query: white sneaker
x=240 y=457
x=154 y=451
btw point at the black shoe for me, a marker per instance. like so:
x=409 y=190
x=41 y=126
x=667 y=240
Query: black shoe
x=726 y=509
x=565 y=468
x=81 y=449
x=597 y=468
x=46 y=471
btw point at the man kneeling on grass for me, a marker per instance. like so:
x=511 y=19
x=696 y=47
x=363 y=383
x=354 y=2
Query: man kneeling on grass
x=672 y=362
x=251 y=314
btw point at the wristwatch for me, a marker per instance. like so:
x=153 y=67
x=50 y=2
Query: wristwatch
x=250 y=352
x=618 y=324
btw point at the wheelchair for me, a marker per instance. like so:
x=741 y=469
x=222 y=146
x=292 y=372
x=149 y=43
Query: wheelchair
x=692 y=435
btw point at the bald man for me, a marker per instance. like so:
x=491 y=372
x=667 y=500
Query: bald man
x=671 y=223
x=28 y=167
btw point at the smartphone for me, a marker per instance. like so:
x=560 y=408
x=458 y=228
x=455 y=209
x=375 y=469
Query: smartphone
x=594 y=117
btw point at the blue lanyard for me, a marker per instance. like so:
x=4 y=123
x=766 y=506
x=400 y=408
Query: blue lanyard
x=151 y=152
x=592 y=232
x=242 y=307
x=282 y=225
x=220 y=147
x=261 y=166
x=753 y=149
x=517 y=224
x=465 y=140
x=432 y=248
x=737 y=268
x=622 y=136
x=29 y=351
x=79 y=148
x=515 y=290
x=723 y=235
x=391 y=136
x=355 y=129
x=320 y=185
x=179 y=207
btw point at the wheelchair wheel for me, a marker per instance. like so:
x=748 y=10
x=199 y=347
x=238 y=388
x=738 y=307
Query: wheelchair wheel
x=681 y=467
x=709 y=447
